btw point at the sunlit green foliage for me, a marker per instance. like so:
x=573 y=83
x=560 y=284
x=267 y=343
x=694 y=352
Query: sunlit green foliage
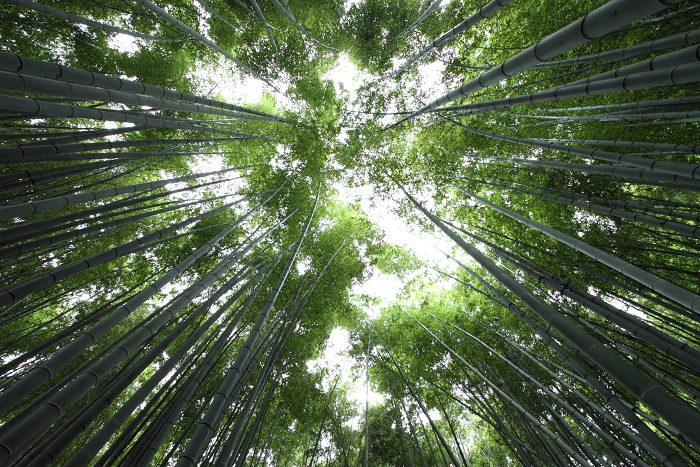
x=466 y=368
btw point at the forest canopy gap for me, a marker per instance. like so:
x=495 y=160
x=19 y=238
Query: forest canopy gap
x=187 y=220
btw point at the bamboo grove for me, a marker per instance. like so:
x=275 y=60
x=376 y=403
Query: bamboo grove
x=172 y=256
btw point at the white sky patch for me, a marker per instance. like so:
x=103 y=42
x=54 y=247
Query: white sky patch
x=303 y=266
x=211 y=163
x=444 y=4
x=380 y=286
x=224 y=82
x=398 y=232
x=591 y=218
x=431 y=76
x=335 y=358
x=434 y=415
x=124 y=43
x=383 y=286
x=350 y=3
x=346 y=72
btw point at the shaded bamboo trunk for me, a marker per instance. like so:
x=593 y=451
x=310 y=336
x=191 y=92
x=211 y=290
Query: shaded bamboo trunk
x=597 y=23
x=678 y=75
x=653 y=444
x=420 y=403
x=673 y=226
x=673 y=102
x=417 y=22
x=67 y=353
x=74 y=137
x=490 y=8
x=676 y=293
x=34 y=207
x=678 y=413
x=15 y=441
x=33 y=67
x=29 y=230
x=16 y=82
x=629 y=175
x=36 y=108
x=647 y=48
x=221 y=400
x=191 y=32
x=47 y=10
x=684 y=171
x=46 y=148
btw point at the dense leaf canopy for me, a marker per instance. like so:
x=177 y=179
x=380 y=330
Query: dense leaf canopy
x=182 y=238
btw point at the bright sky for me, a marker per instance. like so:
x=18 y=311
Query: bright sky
x=379 y=211
x=382 y=286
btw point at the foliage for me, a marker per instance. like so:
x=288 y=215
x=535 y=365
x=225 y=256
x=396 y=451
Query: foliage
x=174 y=323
